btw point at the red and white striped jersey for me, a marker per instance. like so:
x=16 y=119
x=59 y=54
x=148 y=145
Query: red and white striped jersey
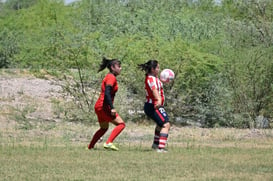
x=151 y=83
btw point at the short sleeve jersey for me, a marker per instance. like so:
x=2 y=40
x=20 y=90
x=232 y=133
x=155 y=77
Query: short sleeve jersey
x=111 y=80
x=151 y=83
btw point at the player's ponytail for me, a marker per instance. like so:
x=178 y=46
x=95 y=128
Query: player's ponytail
x=147 y=67
x=107 y=63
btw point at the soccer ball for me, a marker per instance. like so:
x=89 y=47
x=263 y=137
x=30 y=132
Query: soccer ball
x=167 y=75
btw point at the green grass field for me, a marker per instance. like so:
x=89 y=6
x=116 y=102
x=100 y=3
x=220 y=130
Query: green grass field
x=57 y=152
x=133 y=163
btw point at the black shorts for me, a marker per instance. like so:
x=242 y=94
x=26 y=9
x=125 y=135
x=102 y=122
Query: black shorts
x=159 y=115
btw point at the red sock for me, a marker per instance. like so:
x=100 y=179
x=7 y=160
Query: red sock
x=96 y=137
x=115 y=132
x=156 y=137
x=162 y=140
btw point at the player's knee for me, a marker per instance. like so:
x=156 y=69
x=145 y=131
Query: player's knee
x=167 y=125
x=122 y=125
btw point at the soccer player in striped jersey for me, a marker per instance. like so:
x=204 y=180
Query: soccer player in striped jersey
x=153 y=106
x=104 y=107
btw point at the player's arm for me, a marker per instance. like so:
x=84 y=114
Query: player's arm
x=108 y=99
x=158 y=101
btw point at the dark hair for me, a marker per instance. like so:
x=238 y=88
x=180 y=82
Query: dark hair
x=147 y=67
x=108 y=63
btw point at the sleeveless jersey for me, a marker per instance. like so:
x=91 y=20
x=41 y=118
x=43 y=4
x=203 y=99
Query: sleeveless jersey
x=111 y=80
x=151 y=83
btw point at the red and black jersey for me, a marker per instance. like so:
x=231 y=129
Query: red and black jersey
x=109 y=80
x=151 y=83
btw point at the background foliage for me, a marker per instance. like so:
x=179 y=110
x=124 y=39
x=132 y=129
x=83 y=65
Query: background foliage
x=221 y=53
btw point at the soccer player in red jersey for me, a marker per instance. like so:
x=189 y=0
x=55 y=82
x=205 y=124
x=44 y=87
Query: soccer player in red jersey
x=153 y=106
x=104 y=106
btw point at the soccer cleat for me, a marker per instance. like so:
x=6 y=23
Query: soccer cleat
x=162 y=150
x=89 y=149
x=110 y=146
x=154 y=146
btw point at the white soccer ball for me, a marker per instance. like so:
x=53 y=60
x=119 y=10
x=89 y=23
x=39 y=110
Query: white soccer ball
x=167 y=75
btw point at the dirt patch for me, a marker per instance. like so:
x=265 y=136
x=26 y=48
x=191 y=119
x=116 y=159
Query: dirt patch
x=21 y=91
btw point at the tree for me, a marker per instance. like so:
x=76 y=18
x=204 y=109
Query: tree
x=19 y=4
x=249 y=60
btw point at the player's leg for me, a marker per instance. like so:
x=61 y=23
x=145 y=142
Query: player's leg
x=164 y=133
x=99 y=133
x=156 y=137
x=162 y=120
x=150 y=112
x=120 y=125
